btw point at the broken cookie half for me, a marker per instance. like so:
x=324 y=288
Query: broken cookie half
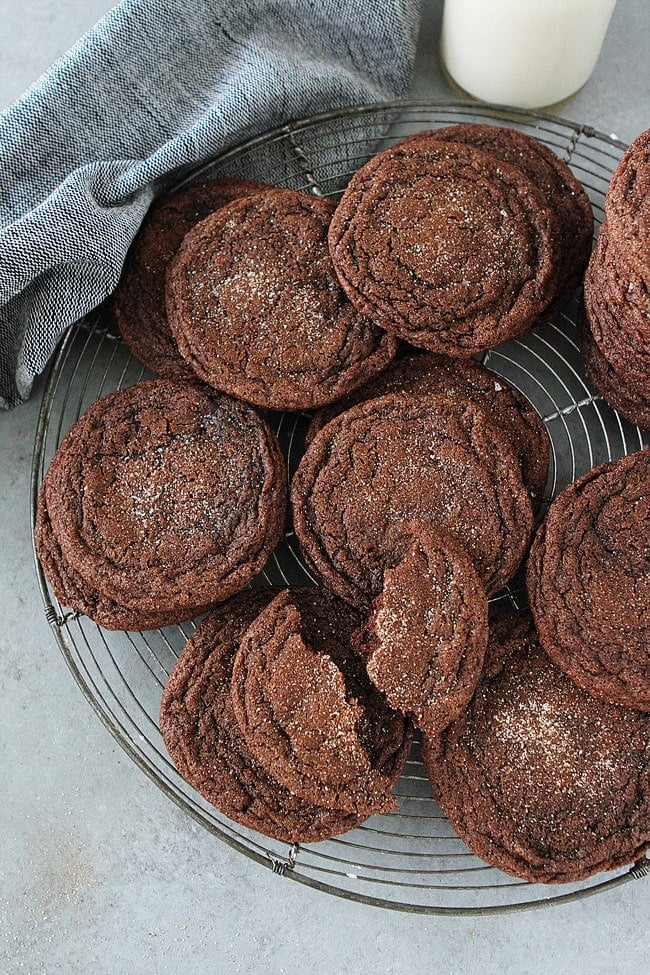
x=307 y=711
x=425 y=640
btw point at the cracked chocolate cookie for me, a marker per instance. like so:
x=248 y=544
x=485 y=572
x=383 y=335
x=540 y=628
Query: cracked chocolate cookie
x=164 y=498
x=565 y=195
x=424 y=373
x=446 y=246
x=588 y=579
x=539 y=778
x=256 y=308
x=308 y=712
x=627 y=205
x=617 y=305
x=615 y=387
x=72 y=590
x=398 y=459
x=614 y=331
x=425 y=639
x=138 y=304
x=202 y=735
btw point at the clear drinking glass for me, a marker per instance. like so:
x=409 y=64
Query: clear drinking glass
x=524 y=53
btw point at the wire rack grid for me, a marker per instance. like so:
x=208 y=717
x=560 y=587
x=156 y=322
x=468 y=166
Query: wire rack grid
x=410 y=860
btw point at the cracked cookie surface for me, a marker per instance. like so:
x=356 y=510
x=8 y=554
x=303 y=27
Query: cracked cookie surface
x=425 y=639
x=425 y=373
x=308 y=712
x=72 y=590
x=565 y=195
x=398 y=459
x=538 y=777
x=166 y=497
x=257 y=310
x=627 y=205
x=445 y=245
x=138 y=303
x=588 y=579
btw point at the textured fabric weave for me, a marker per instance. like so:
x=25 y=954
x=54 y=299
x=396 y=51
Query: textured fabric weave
x=157 y=87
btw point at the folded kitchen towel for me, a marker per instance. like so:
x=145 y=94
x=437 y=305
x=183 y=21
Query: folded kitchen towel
x=157 y=87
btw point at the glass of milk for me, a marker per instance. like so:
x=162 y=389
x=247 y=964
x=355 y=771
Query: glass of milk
x=524 y=53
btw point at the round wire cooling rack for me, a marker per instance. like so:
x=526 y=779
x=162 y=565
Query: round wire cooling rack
x=409 y=860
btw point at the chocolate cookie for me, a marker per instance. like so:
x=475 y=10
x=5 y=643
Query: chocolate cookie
x=71 y=590
x=588 y=579
x=432 y=374
x=615 y=388
x=383 y=464
x=617 y=305
x=426 y=637
x=445 y=245
x=257 y=311
x=565 y=195
x=308 y=712
x=138 y=304
x=202 y=736
x=627 y=205
x=614 y=331
x=539 y=778
x=166 y=498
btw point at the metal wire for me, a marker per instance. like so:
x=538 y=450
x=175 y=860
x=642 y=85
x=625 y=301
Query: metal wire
x=410 y=860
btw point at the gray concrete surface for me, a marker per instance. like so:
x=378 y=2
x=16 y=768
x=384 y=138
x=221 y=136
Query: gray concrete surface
x=99 y=872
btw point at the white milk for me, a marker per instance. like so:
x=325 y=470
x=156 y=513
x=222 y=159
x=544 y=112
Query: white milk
x=525 y=53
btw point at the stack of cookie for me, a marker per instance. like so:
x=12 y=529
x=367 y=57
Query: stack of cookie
x=162 y=500
x=270 y=715
x=459 y=239
x=615 y=332
x=546 y=773
x=232 y=282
